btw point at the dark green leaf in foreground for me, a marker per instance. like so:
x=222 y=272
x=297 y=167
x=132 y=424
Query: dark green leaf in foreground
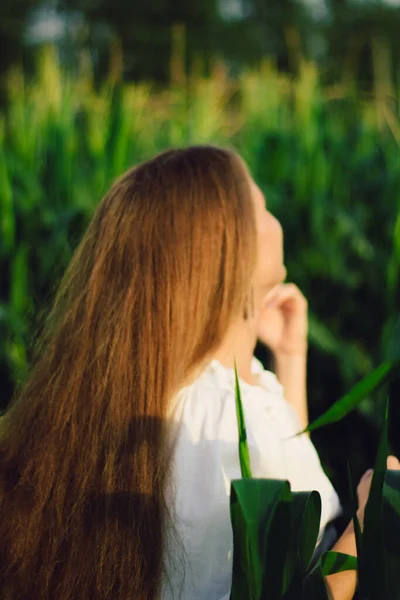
x=258 y=552
x=306 y=510
x=392 y=353
x=243 y=447
x=383 y=374
x=278 y=547
x=315 y=586
x=354 y=503
x=391 y=532
x=305 y=522
x=336 y=562
x=374 y=584
x=391 y=492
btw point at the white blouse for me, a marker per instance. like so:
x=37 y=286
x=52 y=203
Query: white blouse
x=206 y=459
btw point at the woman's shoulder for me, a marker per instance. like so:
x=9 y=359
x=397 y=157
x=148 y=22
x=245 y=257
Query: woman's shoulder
x=204 y=407
x=218 y=382
x=208 y=405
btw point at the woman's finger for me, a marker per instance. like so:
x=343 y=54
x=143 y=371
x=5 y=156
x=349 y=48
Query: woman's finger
x=284 y=292
x=393 y=463
x=368 y=474
x=272 y=294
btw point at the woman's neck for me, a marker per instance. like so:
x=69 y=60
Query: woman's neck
x=239 y=345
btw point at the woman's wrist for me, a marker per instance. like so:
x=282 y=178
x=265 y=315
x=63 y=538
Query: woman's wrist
x=347 y=541
x=360 y=519
x=342 y=585
x=291 y=371
x=299 y=351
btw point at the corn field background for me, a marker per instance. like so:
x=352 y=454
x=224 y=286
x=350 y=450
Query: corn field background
x=327 y=160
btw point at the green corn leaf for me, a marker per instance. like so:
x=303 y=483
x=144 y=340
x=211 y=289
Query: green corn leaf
x=315 y=586
x=305 y=523
x=391 y=532
x=354 y=503
x=306 y=511
x=274 y=534
x=391 y=492
x=244 y=456
x=393 y=347
x=19 y=293
x=373 y=583
x=7 y=209
x=381 y=375
x=257 y=513
x=336 y=562
x=278 y=547
x=309 y=526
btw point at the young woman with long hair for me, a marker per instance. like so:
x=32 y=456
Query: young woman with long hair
x=116 y=454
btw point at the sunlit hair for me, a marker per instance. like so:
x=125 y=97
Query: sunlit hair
x=151 y=290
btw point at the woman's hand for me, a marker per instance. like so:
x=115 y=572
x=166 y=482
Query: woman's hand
x=364 y=487
x=283 y=322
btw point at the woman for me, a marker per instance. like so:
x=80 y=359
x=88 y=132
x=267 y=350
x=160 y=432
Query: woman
x=118 y=451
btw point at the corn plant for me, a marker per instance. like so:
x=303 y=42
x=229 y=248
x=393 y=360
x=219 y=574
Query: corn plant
x=275 y=530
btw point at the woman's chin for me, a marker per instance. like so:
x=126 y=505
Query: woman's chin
x=280 y=277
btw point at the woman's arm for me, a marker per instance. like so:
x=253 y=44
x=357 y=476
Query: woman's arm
x=342 y=586
x=282 y=326
x=291 y=371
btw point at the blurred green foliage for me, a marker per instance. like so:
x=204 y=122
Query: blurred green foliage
x=326 y=158
x=340 y=35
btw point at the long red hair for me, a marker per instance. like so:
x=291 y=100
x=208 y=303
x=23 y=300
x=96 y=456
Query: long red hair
x=162 y=270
